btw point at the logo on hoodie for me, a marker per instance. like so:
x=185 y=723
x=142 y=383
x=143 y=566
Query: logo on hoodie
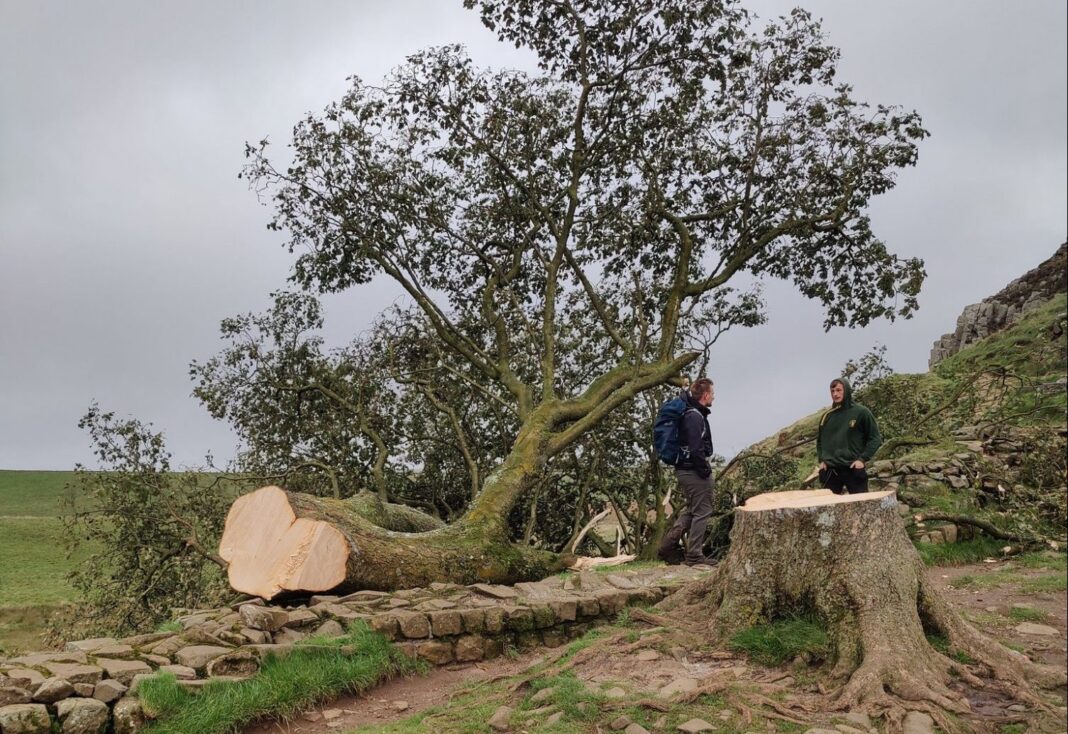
x=853 y=423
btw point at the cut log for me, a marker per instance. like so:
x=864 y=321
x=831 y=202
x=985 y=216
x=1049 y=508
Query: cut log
x=276 y=542
x=847 y=561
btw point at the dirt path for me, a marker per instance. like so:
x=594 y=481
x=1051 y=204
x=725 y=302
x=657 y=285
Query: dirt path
x=396 y=699
x=989 y=607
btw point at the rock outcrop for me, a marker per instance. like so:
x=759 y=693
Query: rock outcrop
x=1005 y=308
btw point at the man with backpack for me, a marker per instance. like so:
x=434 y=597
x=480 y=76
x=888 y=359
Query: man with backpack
x=683 y=439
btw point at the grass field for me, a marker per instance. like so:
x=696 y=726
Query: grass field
x=33 y=556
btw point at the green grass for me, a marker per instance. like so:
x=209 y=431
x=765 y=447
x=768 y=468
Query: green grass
x=35 y=564
x=940 y=643
x=1026 y=614
x=985 y=581
x=776 y=643
x=959 y=554
x=33 y=493
x=1050 y=583
x=1050 y=560
x=282 y=688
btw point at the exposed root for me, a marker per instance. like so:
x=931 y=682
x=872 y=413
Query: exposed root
x=640 y=615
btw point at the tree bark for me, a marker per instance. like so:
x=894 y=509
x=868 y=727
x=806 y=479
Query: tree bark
x=847 y=560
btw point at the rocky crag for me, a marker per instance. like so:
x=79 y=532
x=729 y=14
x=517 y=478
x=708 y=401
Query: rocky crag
x=1006 y=307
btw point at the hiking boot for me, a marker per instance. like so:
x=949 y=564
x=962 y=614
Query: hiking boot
x=702 y=561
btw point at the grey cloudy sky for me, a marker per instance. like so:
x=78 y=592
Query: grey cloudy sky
x=125 y=235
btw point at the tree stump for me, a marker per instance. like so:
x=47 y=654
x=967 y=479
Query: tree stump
x=847 y=560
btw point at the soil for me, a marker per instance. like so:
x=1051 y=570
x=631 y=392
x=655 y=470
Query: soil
x=988 y=609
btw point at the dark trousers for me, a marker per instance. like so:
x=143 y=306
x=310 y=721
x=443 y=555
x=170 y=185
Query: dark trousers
x=842 y=479
x=694 y=519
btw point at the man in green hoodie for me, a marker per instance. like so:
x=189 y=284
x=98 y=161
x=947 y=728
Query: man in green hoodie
x=847 y=440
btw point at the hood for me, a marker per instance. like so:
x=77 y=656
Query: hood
x=847 y=397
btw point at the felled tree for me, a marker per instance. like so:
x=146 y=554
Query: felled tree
x=662 y=150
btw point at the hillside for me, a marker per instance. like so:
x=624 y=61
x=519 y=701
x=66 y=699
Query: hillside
x=981 y=435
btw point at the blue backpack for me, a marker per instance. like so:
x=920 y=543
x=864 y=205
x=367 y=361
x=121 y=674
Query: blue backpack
x=666 y=430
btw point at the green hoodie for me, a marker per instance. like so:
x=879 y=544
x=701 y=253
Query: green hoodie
x=847 y=432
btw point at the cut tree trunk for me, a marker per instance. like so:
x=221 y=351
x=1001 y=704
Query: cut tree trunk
x=276 y=542
x=846 y=560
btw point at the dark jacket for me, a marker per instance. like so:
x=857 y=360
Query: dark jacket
x=695 y=438
x=847 y=432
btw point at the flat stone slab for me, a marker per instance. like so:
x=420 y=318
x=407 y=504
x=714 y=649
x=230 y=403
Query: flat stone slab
x=73 y=673
x=198 y=656
x=123 y=670
x=495 y=591
x=1031 y=628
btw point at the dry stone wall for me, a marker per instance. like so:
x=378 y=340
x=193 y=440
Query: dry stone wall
x=90 y=686
x=1005 y=308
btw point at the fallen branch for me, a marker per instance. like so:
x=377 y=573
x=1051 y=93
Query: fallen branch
x=987 y=527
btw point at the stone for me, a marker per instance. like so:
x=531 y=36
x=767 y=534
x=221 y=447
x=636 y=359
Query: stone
x=287 y=636
x=474 y=620
x=74 y=673
x=861 y=720
x=470 y=648
x=554 y=718
x=436 y=652
x=399 y=705
x=109 y=690
x=519 y=619
x=333 y=628
x=846 y=729
x=256 y=637
x=647 y=656
x=620 y=723
x=493 y=619
x=950 y=533
x=267 y=619
x=197 y=657
x=364 y=596
x=10 y=695
x=85 y=690
x=494 y=591
x=554 y=637
x=679 y=685
x=25 y=677
x=127 y=716
x=121 y=652
x=1032 y=628
x=635 y=729
x=615 y=693
x=155 y=660
x=181 y=672
x=413 y=625
x=25 y=718
x=543 y=695
x=52 y=690
x=123 y=670
x=620 y=582
x=235 y=664
x=564 y=609
x=917 y=722
x=89 y=645
x=301 y=618
x=446 y=623
x=695 y=725
x=331 y=714
x=818 y=730
x=82 y=716
x=500 y=718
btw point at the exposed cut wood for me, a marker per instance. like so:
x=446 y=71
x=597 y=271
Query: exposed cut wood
x=583 y=562
x=807 y=498
x=271 y=550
